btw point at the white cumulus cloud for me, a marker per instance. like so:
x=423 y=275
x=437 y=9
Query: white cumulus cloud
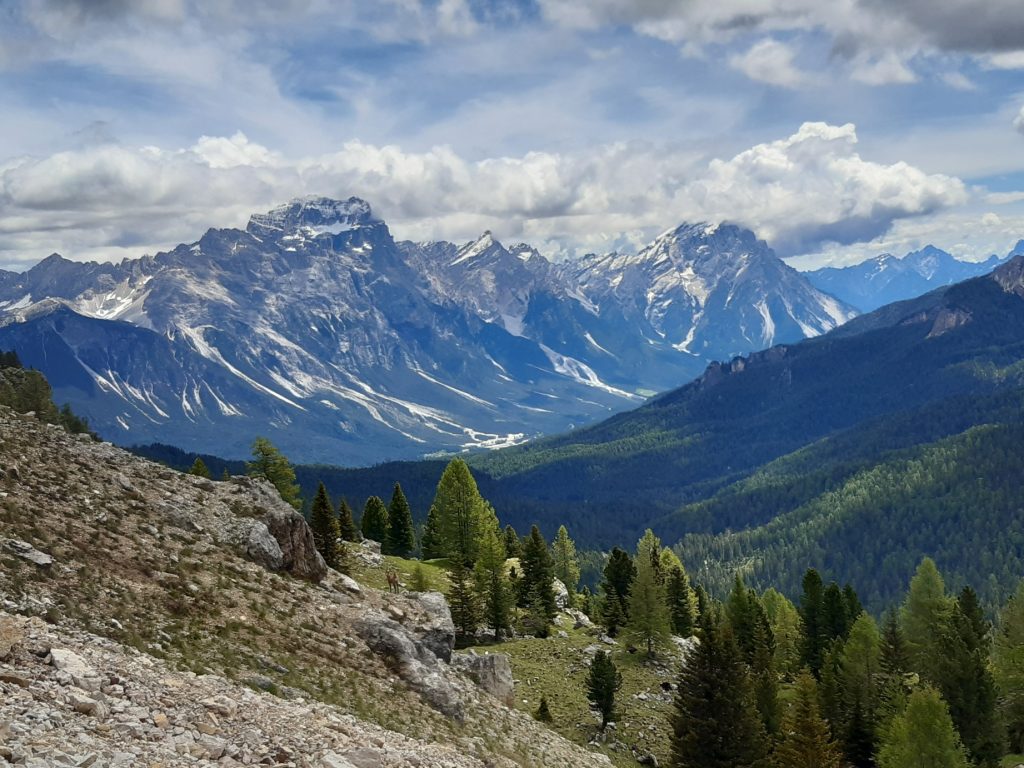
x=810 y=188
x=770 y=62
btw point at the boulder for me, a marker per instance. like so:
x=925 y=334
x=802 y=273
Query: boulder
x=561 y=594
x=26 y=551
x=334 y=760
x=263 y=548
x=411 y=660
x=81 y=674
x=491 y=671
x=435 y=629
x=579 y=618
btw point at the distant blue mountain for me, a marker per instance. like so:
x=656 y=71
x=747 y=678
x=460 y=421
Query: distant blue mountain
x=885 y=278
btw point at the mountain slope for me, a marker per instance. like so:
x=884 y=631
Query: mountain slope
x=314 y=326
x=886 y=279
x=965 y=341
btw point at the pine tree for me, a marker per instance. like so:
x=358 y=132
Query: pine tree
x=431 y=543
x=715 y=723
x=1008 y=667
x=270 y=463
x=763 y=674
x=617 y=583
x=374 y=522
x=513 y=546
x=567 y=566
x=603 y=682
x=199 y=468
x=922 y=736
x=741 y=612
x=806 y=741
x=462 y=599
x=325 y=527
x=812 y=649
x=543 y=713
x=834 y=617
x=853 y=606
x=648 y=610
x=612 y=615
x=537 y=578
x=401 y=538
x=346 y=523
x=461 y=512
x=966 y=684
x=679 y=598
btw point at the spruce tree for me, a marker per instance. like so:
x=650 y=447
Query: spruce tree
x=567 y=566
x=603 y=682
x=806 y=741
x=612 y=614
x=462 y=599
x=648 y=621
x=922 y=736
x=860 y=675
x=715 y=723
x=812 y=649
x=784 y=620
x=199 y=468
x=679 y=598
x=270 y=463
x=374 y=522
x=431 y=543
x=325 y=527
x=401 y=538
x=346 y=523
x=835 y=618
x=764 y=677
x=513 y=546
x=420 y=582
x=830 y=690
x=741 y=612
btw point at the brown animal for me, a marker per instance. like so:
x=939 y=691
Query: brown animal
x=394 y=585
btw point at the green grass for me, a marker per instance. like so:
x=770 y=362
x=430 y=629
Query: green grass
x=557 y=669
x=436 y=571
x=1011 y=761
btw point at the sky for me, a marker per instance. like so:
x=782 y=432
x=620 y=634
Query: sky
x=835 y=130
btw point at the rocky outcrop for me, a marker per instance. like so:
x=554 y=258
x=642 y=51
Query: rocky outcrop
x=26 y=551
x=288 y=528
x=491 y=671
x=435 y=628
x=411 y=660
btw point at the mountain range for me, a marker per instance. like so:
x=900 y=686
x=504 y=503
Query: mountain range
x=315 y=327
x=885 y=278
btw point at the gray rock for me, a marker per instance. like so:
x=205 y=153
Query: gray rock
x=364 y=757
x=26 y=551
x=561 y=594
x=411 y=660
x=334 y=760
x=491 y=671
x=437 y=630
x=263 y=548
x=81 y=674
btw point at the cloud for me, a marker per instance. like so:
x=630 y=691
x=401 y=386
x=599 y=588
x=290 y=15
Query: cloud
x=1018 y=121
x=885 y=69
x=770 y=62
x=799 y=192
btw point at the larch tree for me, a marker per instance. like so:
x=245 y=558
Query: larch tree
x=859 y=678
x=922 y=736
x=567 y=565
x=805 y=738
x=324 y=524
x=492 y=583
x=648 y=621
x=461 y=512
x=401 y=536
x=374 y=522
x=784 y=620
x=269 y=463
x=925 y=612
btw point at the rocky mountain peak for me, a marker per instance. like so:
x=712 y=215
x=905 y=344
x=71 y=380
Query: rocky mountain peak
x=1011 y=275
x=322 y=214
